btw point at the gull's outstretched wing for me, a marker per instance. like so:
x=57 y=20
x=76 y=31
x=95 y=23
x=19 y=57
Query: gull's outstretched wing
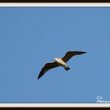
x=70 y=54
x=47 y=67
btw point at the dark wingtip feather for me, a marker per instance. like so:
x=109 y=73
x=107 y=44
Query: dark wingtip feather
x=38 y=77
x=79 y=52
x=83 y=52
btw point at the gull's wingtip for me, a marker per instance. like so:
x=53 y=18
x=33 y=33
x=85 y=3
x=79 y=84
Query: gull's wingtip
x=84 y=52
x=79 y=52
x=38 y=77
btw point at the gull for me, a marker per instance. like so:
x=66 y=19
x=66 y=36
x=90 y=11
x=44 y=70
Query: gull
x=59 y=62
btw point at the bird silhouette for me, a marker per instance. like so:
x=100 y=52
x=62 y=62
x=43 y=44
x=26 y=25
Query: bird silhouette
x=59 y=62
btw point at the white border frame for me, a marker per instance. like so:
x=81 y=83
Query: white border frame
x=55 y=105
x=54 y=4
x=44 y=105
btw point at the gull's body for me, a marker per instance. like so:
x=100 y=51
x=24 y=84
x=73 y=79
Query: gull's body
x=59 y=62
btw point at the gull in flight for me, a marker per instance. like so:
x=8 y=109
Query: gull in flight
x=59 y=62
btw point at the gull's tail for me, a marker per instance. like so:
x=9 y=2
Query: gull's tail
x=67 y=68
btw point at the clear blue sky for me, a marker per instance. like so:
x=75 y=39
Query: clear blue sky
x=31 y=37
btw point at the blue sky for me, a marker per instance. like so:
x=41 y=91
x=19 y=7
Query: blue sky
x=31 y=37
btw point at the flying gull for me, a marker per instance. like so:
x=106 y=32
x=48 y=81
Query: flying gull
x=59 y=62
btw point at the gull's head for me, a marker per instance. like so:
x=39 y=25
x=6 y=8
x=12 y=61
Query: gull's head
x=56 y=59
